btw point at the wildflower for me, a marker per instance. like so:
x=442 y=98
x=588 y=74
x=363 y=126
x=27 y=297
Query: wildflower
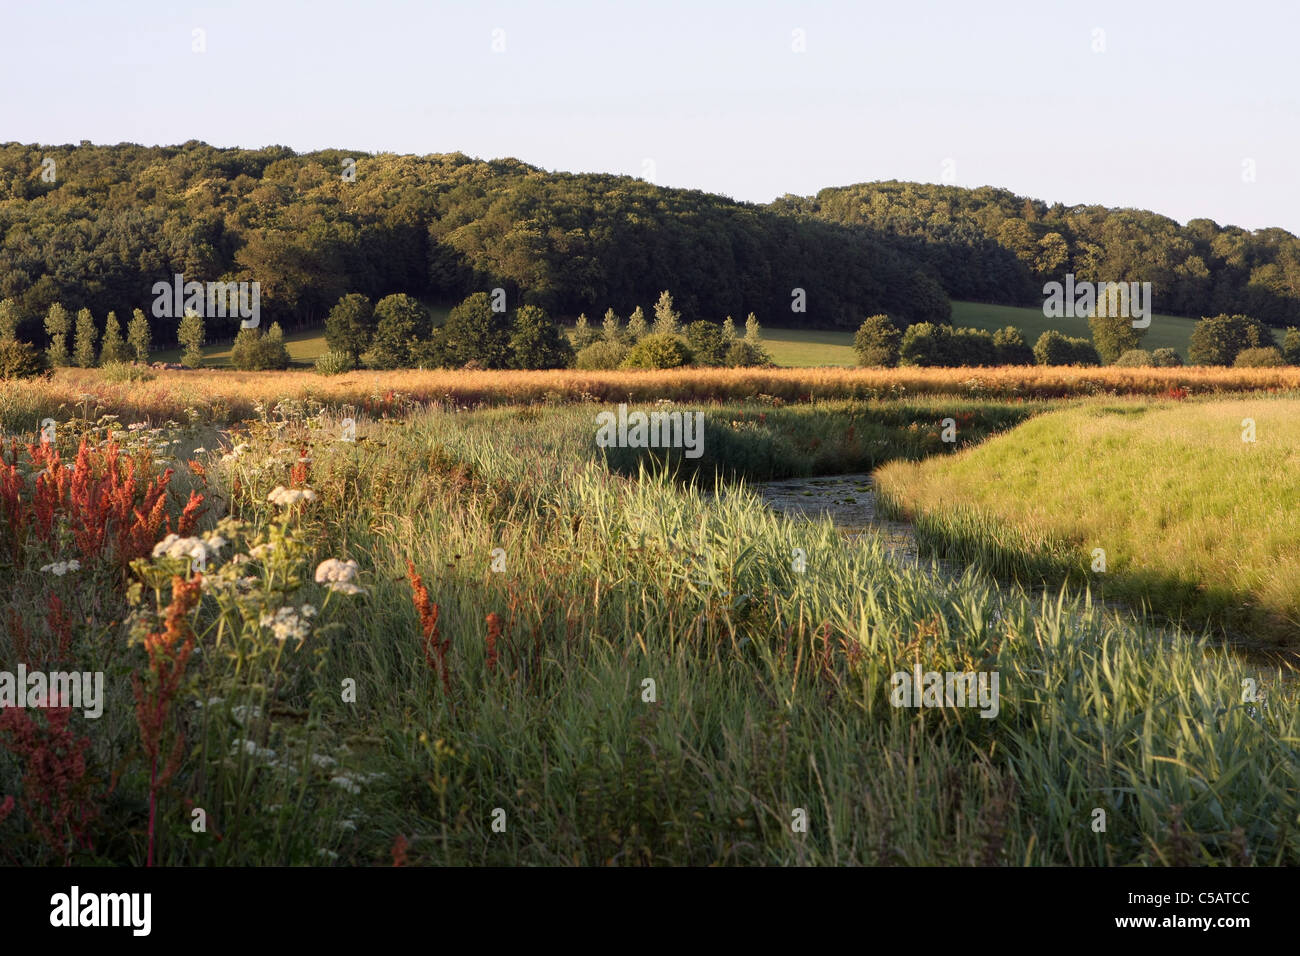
x=174 y=546
x=60 y=568
x=347 y=825
x=288 y=497
x=324 y=761
x=200 y=451
x=285 y=623
x=340 y=576
x=347 y=782
x=253 y=750
x=243 y=712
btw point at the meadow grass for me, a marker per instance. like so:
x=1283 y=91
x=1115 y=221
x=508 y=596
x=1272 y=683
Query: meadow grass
x=770 y=697
x=224 y=397
x=1192 y=519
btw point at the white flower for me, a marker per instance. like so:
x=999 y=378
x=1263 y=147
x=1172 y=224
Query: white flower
x=288 y=497
x=174 y=546
x=347 y=783
x=242 y=713
x=285 y=623
x=347 y=825
x=60 y=568
x=253 y=750
x=323 y=761
x=200 y=451
x=307 y=610
x=338 y=575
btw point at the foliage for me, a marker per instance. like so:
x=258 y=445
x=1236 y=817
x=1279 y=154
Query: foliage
x=190 y=334
x=351 y=325
x=113 y=348
x=707 y=343
x=601 y=355
x=1113 y=335
x=877 y=341
x=139 y=337
x=57 y=325
x=254 y=351
x=1270 y=357
x=401 y=323
x=1166 y=358
x=1218 y=339
x=20 y=359
x=334 y=363
x=1135 y=358
x=1009 y=342
x=1053 y=348
x=536 y=342
x=658 y=351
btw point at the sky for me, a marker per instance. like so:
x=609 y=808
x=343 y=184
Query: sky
x=1191 y=109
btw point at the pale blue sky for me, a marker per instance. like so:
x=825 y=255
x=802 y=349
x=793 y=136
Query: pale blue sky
x=712 y=92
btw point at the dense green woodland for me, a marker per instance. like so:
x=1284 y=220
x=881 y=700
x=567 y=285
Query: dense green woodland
x=991 y=245
x=116 y=219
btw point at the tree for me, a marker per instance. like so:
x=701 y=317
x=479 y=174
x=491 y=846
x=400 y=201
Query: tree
x=1135 y=358
x=657 y=350
x=57 y=325
x=876 y=341
x=637 y=328
x=274 y=353
x=1269 y=357
x=1166 y=358
x=8 y=321
x=350 y=325
x=729 y=329
x=752 y=331
x=83 y=345
x=1217 y=340
x=601 y=355
x=612 y=327
x=583 y=333
x=474 y=333
x=1113 y=335
x=742 y=353
x=537 y=342
x=1053 y=348
x=113 y=348
x=1012 y=349
x=707 y=343
x=401 y=324
x=138 y=337
x=190 y=334
x=668 y=321
x=1291 y=346
x=20 y=359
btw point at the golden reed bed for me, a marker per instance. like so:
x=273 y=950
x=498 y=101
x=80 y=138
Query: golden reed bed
x=224 y=394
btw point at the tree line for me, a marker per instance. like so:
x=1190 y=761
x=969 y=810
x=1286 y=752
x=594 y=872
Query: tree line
x=991 y=245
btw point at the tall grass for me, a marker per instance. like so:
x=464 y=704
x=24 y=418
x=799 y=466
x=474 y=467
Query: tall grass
x=770 y=697
x=224 y=396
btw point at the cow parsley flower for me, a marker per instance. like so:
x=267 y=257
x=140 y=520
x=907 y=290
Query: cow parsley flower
x=340 y=576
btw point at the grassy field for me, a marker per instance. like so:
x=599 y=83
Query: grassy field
x=586 y=664
x=1192 y=519
x=225 y=396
